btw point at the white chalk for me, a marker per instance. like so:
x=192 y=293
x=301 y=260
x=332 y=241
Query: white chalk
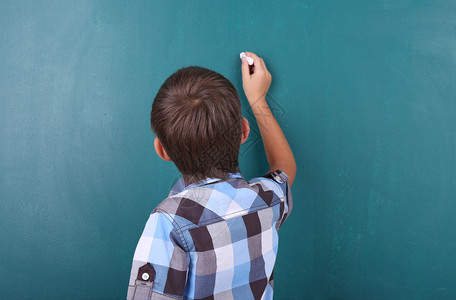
x=249 y=59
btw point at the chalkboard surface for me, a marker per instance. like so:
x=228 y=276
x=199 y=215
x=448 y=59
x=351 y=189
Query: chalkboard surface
x=365 y=92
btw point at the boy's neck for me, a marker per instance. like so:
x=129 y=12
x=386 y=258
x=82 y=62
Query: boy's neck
x=191 y=179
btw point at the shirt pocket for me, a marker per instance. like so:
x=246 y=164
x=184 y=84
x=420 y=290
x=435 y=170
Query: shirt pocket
x=142 y=290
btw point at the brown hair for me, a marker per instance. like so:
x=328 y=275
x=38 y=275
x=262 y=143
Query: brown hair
x=197 y=117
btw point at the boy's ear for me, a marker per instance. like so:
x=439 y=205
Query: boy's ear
x=245 y=129
x=161 y=150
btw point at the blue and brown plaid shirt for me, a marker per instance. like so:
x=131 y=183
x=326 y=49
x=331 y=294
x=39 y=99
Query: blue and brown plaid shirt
x=212 y=239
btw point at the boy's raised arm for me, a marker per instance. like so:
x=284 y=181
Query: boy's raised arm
x=256 y=85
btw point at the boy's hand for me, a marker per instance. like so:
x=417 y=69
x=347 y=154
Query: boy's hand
x=257 y=84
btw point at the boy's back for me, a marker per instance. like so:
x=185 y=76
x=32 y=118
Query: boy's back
x=216 y=235
x=213 y=240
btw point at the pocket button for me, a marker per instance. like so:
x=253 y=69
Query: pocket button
x=145 y=276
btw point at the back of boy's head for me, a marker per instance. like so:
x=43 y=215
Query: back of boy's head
x=197 y=117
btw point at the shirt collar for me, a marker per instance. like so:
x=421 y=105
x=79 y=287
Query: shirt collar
x=180 y=184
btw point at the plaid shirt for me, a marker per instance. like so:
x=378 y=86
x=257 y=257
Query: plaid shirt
x=212 y=240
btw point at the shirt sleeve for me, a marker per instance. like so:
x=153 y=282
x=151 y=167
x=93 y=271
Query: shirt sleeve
x=160 y=264
x=282 y=180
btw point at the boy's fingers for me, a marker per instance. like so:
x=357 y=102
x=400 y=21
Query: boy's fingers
x=256 y=59
x=263 y=65
x=258 y=62
x=245 y=69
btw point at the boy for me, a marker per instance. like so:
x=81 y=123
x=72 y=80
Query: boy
x=216 y=235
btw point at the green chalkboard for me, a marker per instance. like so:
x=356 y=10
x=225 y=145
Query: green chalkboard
x=365 y=92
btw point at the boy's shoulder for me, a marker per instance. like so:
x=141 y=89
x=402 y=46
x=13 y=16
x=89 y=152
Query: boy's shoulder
x=212 y=200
